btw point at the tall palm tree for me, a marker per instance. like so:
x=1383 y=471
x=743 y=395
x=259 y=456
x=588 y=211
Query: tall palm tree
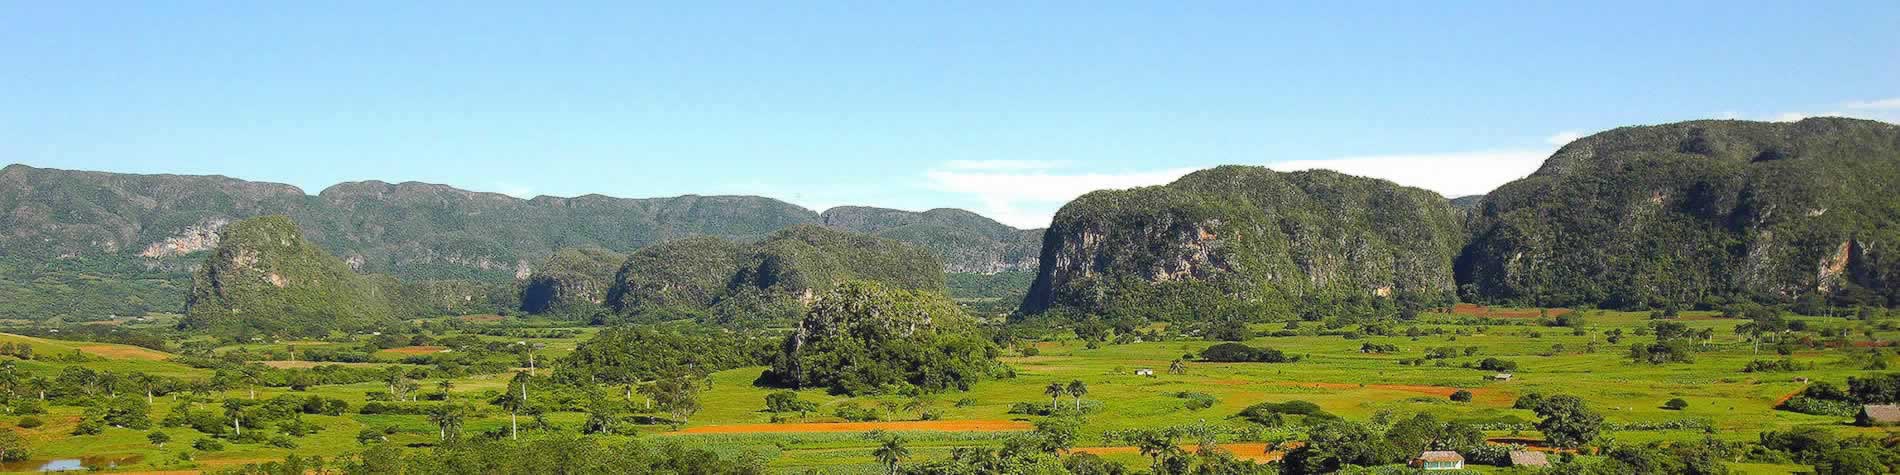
x=521 y=379
x=234 y=409
x=1055 y=391
x=445 y=385
x=1155 y=444
x=1177 y=367
x=891 y=452
x=513 y=403
x=1077 y=389
x=448 y=421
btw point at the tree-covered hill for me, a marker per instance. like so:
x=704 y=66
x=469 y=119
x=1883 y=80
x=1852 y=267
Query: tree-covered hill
x=965 y=241
x=1248 y=236
x=126 y=244
x=767 y=281
x=265 y=277
x=1700 y=212
x=573 y=279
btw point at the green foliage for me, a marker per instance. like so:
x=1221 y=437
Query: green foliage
x=1272 y=414
x=1239 y=353
x=866 y=338
x=265 y=278
x=572 y=281
x=634 y=354
x=1567 y=421
x=1240 y=243
x=1695 y=213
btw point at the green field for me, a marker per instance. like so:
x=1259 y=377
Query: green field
x=1333 y=373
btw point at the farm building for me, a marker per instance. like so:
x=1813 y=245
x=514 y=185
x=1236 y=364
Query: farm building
x=1526 y=458
x=1439 y=460
x=1878 y=415
x=1144 y=372
x=1501 y=377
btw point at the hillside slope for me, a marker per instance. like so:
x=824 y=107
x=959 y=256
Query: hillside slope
x=1697 y=212
x=1250 y=236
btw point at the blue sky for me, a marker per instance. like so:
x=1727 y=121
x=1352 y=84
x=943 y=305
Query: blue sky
x=1005 y=108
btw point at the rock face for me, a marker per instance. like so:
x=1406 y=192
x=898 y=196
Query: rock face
x=573 y=279
x=1697 y=212
x=1251 y=235
x=135 y=239
x=966 y=242
x=265 y=277
x=770 y=281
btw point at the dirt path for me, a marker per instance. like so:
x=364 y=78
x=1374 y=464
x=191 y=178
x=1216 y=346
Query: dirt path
x=124 y=352
x=416 y=350
x=949 y=426
x=1784 y=398
x=1254 y=451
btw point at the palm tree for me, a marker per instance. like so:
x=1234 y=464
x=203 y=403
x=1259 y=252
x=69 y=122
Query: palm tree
x=448 y=421
x=250 y=380
x=891 y=453
x=1077 y=389
x=234 y=409
x=521 y=379
x=445 y=385
x=1177 y=367
x=1155 y=444
x=512 y=402
x=1055 y=392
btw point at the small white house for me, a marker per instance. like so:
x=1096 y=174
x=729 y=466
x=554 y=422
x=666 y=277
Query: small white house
x=1145 y=372
x=1439 y=460
x=1501 y=377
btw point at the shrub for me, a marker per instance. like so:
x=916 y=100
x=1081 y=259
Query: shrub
x=30 y=422
x=208 y=445
x=1676 y=404
x=1197 y=401
x=1239 y=353
x=1528 y=401
x=1461 y=396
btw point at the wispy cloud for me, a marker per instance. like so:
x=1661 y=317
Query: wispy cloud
x=1562 y=138
x=1451 y=174
x=1888 y=103
x=1028 y=198
x=1006 y=164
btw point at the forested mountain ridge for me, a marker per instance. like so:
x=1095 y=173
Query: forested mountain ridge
x=265 y=277
x=1702 y=212
x=965 y=241
x=126 y=243
x=1248 y=236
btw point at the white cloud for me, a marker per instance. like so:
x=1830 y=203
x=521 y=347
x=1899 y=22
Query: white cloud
x=1561 y=138
x=1028 y=199
x=1888 y=103
x=1451 y=174
x=518 y=191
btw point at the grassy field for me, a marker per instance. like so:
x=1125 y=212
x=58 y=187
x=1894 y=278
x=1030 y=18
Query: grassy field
x=1333 y=373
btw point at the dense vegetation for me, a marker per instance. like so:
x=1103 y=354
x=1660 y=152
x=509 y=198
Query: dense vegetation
x=967 y=243
x=1247 y=243
x=1697 y=214
x=265 y=277
x=866 y=338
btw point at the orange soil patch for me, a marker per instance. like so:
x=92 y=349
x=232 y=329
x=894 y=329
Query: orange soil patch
x=1784 y=398
x=1253 y=451
x=125 y=352
x=417 y=350
x=948 y=426
x=1475 y=310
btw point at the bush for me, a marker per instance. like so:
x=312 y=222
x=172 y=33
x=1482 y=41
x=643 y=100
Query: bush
x=1494 y=364
x=1676 y=404
x=30 y=422
x=1461 y=396
x=1239 y=353
x=208 y=445
x=1197 y=401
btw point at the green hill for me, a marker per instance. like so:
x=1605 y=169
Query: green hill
x=264 y=277
x=1261 y=240
x=1697 y=212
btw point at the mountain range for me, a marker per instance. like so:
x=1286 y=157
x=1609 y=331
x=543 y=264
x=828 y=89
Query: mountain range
x=1701 y=213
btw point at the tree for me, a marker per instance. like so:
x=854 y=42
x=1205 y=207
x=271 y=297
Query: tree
x=679 y=397
x=788 y=401
x=1055 y=391
x=1568 y=422
x=234 y=409
x=1156 y=444
x=158 y=438
x=891 y=452
x=1676 y=404
x=512 y=402
x=1177 y=367
x=444 y=386
x=448 y=421
x=1461 y=396
x=1077 y=389
x=12 y=446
